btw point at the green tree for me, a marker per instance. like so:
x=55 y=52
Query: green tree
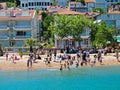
x=46 y=24
x=54 y=2
x=101 y=10
x=101 y=33
x=65 y=26
x=11 y=4
x=94 y=29
x=46 y=20
x=44 y=14
x=31 y=42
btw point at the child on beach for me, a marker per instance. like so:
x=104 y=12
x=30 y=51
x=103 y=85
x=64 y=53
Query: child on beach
x=77 y=64
x=95 y=57
x=100 y=60
x=61 y=68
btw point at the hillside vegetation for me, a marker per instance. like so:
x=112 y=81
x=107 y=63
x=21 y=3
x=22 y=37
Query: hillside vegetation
x=11 y=3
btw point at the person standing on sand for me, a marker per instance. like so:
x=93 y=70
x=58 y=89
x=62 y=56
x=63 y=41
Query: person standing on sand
x=99 y=55
x=117 y=56
x=6 y=55
x=100 y=60
x=21 y=55
x=95 y=57
x=12 y=57
x=29 y=62
x=68 y=65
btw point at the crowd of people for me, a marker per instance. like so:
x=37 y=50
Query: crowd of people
x=66 y=60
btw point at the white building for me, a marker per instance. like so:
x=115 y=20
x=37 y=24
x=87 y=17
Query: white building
x=62 y=3
x=69 y=41
x=105 y=3
x=112 y=17
x=82 y=7
x=16 y=25
x=41 y=4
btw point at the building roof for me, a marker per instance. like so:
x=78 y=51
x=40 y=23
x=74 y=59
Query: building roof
x=89 y=1
x=90 y=14
x=74 y=2
x=52 y=9
x=86 y=14
x=113 y=9
x=17 y=14
x=114 y=12
x=68 y=12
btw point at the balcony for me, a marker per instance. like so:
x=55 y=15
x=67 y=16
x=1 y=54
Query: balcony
x=4 y=28
x=25 y=27
x=21 y=37
x=4 y=38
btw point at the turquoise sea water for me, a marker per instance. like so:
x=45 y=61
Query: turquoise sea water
x=83 y=78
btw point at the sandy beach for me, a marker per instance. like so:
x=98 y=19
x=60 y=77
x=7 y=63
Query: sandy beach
x=109 y=60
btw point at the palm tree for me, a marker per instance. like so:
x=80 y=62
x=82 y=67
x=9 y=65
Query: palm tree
x=31 y=42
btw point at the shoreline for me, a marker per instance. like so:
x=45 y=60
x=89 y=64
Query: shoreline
x=14 y=69
x=21 y=65
x=53 y=67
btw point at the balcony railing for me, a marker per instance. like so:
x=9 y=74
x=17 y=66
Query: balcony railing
x=4 y=37
x=22 y=27
x=85 y=37
x=21 y=37
x=4 y=28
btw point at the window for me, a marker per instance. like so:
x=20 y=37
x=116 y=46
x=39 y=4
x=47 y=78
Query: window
x=51 y=4
x=26 y=5
x=29 y=4
x=20 y=33
x=41 y=3
x=23 y=5
x=48 y=4
x=45 y=4
x=86 y=42
x=37 y=3
x=12 y=43
x=45 y=8
x=32 y=3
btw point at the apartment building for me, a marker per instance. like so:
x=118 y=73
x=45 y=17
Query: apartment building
x=17 y=25
x=112 y=17
x=105 y=3
x=82 y=7
x=42 y=4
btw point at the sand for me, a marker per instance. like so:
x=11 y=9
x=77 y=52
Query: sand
x=109 y=60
